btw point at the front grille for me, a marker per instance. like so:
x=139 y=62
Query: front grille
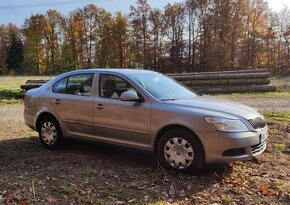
x=257 y=123
x=258 y=148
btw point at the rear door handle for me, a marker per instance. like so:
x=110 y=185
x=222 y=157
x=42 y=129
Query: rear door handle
x=100 y=106
x=57 y=101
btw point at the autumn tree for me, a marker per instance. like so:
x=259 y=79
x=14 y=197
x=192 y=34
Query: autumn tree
x=120 y=38
x=33 y=31
x=280 y=41
x=156 y=32
x=174 y=18
x=191 y=12
x=4 y=43
x=191 y=36
x=139 y=17
x=70 y=44
x=52 y=32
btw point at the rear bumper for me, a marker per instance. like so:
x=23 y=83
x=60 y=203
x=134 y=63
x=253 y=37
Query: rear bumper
x=225 y=147
x=29 y=118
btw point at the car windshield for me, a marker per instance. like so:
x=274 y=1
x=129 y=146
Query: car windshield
x=162 y=87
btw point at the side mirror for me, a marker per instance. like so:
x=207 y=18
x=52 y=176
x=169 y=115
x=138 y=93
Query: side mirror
x=129 y=96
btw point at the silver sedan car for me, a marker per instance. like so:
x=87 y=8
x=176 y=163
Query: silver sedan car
x=145 y=110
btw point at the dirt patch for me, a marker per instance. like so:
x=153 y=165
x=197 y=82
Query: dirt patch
x=90 y=173
x=12 y=122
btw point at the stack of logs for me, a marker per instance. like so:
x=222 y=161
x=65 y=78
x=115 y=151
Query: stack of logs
x=29 y=85
x=256 y=80
x=32 y=84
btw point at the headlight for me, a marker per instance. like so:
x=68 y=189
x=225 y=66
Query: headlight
x=226 y=125
x=262 y=117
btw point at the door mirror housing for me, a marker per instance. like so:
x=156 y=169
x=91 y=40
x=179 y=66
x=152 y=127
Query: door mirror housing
x=130 y=96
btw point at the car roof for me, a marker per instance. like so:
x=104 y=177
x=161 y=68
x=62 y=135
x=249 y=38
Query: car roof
x=121 y=71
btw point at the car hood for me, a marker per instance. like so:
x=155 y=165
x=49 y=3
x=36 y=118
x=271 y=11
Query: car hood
x=209 y=103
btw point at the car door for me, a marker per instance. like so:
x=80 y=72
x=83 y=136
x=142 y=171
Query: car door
x=72 y=100
x=120 y=122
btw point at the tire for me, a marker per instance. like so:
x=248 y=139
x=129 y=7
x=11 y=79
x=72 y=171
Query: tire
x=50 y=134
x=181 y=151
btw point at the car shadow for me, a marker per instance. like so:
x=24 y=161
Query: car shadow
x=98 y=164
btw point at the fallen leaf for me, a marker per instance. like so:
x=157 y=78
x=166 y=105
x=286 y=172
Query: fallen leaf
x=264 y=189
x=120 y=202
x=171 y=190
x=170 y=200
x=23 y=201
x=132 y=200
x=83 y=193
x=50 y=199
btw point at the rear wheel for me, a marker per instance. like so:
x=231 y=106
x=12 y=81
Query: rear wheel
x=50 y=133
x=181 y=151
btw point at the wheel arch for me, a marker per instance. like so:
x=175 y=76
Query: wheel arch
x=170 y=127
x=42 y=116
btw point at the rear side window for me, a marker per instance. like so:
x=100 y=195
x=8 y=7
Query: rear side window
x=60 y=86
x=80 y=84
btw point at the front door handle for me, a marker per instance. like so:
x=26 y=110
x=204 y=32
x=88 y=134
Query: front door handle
x=100 y=106
x=57 y=101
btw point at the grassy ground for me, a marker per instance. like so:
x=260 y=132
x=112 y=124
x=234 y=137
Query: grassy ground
x=14 y=82
x=10 y=87
x=277 y=94
x=282 y=83
x=90 y=173
x=278 y=117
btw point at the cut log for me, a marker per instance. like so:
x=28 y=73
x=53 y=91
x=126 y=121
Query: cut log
x=234 y=89
x=256 y=80
x=262 y=81
x=221 y=76
x=221 y=72
x=30 y=86
x=36 y=81
x=21 y=95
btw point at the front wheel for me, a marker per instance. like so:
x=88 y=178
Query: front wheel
x=181 y=151
x=50 y=133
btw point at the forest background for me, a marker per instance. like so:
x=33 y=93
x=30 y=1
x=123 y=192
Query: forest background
x=191 y=36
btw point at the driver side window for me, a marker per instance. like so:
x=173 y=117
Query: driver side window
x=111 y=86
x=80 y=84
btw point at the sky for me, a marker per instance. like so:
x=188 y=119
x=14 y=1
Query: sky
x=278 y=5
x=16 y=11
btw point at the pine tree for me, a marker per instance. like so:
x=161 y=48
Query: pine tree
x=15 y=55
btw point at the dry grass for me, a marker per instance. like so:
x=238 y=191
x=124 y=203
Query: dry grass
x=10 y=87
x=282 y=83
x=14 y=82
x=87 y=173
x=90 y=173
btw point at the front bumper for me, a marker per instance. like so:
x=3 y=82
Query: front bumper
x=223 y=147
